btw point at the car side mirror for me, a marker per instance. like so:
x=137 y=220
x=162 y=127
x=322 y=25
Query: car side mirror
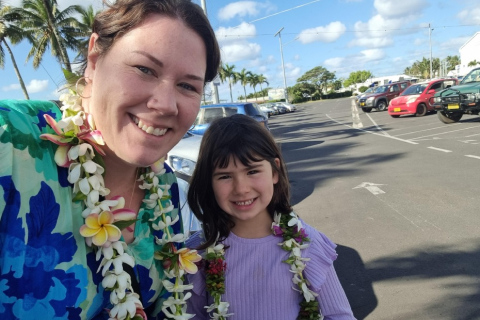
x=431 y=91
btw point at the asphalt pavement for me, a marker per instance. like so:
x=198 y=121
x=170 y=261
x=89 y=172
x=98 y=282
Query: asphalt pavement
x=400 y=198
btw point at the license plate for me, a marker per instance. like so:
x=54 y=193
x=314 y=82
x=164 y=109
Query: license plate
x=362 y=103
x=453 y=106
x=396 y=109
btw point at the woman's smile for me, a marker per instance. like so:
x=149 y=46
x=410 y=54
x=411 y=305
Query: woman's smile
x=148 y=128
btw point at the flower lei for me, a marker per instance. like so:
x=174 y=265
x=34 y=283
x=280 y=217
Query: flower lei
x=294 y=240
x=289 y=227
x=79 y=150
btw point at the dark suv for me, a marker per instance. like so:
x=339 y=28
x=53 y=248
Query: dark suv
x=210 y=112
x=380 y=98
x=452 y=103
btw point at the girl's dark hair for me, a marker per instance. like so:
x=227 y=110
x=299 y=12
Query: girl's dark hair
x=124 y=15
x=245 y=139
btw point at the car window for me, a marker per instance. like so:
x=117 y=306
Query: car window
x=381 y=89
x=436 y=86
x=415 y=89
x=210 y=114
x=230 y=111
x=252 y=111
x=403 y=85
x=473 y=76
x=394 y=88
x=448 y=83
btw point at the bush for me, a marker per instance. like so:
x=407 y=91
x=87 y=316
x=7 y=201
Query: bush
x=362 y=89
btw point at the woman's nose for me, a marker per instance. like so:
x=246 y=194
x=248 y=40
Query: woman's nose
x=164 y=100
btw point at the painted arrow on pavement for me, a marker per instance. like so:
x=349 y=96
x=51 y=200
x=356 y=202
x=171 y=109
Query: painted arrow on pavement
x=372 y=187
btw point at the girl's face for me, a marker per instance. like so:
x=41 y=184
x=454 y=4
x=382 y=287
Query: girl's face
x=145 y=92
x=244 y=192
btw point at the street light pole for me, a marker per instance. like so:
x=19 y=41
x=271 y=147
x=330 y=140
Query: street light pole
x=215 y=97
x=430 y=39
x=283 y=65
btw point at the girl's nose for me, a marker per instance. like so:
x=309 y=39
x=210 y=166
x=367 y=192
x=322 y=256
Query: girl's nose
x=241 y=186
x=164 y=100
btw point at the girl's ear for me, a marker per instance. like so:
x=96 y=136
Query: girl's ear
x=275 y=172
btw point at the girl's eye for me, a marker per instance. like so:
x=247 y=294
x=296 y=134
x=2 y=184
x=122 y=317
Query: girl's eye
x=253 y=171
x=144 y=70
x=223 y=177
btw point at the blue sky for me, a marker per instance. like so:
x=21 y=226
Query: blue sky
x=382 y=36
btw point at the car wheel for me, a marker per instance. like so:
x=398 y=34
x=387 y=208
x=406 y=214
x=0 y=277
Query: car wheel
x=366 y=109
x=449 y=117
x=421 y=110
x=382 y=105
x=395 y=116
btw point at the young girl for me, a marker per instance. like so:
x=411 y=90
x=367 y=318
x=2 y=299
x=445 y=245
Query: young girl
x=261 y=260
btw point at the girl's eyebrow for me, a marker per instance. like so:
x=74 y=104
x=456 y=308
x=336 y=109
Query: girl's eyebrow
x=247 y=168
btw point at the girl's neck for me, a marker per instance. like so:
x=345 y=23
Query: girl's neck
x=258 y=228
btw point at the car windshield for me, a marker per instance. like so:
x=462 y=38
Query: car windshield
x=473 y=76
x=381 y=89
x=210 y=114
x=368 y=90
x=415 y=89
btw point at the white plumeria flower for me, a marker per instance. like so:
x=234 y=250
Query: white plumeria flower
x=180 y=287
x=170 y=313
x=74 y=172
x=173 y=274
x=127 y=307
x=294 y=221
x=307 y=293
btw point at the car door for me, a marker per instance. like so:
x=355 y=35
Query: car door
x=393 y=92
x=430 y=92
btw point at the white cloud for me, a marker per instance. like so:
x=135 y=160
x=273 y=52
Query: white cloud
x=296 y=57
x=240 y=51
x=231 y=34
x=395 y=8
x=240 y=9
x=471 y=15
x=334 y=62
x=11 y=87
x=37 y=86
x=328 y=33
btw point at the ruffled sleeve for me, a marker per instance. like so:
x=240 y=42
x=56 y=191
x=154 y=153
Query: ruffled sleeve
x=321 y=252
x=198 y=300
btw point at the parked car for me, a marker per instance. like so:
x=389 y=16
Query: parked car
x=281 y=109
x=417 y=98
x=182 y=159
x=210 y=112
x=290 y=107
x=363 y=94
x=270 y=107
x=452 y=103
x=266 y=110
x=382 y=95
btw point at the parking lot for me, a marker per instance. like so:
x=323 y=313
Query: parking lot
x=399 y=197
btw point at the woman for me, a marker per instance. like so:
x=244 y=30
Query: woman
x=78 y=230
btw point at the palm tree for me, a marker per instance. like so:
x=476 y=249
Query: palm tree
x=15 y=35
x=85 y=23
x=473 y=63
x=262 y=79
x=452 y=62
x=50 y=27
x=253 y=81
x=227 y=73
x=243 y=77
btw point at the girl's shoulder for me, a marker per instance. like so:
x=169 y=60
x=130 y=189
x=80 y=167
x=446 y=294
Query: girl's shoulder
x=321 y=254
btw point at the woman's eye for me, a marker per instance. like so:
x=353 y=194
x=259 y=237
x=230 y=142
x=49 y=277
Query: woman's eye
x=188 y=87
x=144 y=70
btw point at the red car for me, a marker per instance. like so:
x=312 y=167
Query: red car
x=418 y=98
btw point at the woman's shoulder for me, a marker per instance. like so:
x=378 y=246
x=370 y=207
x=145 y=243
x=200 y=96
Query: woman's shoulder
x=29 y=107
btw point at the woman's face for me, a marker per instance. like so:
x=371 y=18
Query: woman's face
x=145 y=92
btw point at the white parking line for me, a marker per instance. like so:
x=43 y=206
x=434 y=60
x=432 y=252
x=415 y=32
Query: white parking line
x=470 y=156
x=402 y=134
x=371 y=132
x=376 y=125
x=438 y=149
x=437 y=134
x=357 y=123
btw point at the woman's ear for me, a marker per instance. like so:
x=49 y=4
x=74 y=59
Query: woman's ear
x=92 y=56
x=275 y=172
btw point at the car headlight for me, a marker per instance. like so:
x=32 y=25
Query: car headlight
x=370 y=99
x=473 y=96
x=437 y=99
x=182 y=165
x=412 y=98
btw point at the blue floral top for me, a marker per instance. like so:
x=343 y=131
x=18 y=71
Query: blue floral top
x=46 y=269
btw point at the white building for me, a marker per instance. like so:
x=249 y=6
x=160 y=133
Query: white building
x=468 y=52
